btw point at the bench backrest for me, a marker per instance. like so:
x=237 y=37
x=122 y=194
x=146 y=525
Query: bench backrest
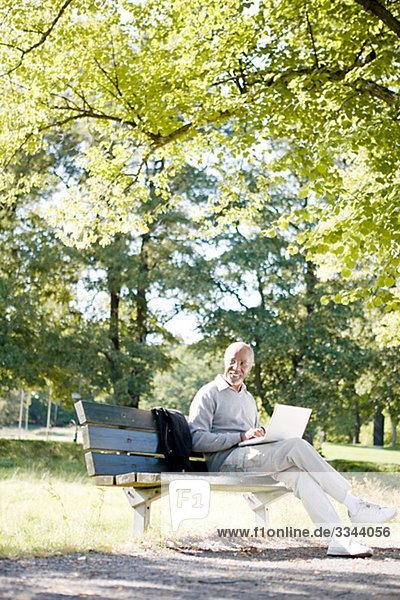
x=120 y=439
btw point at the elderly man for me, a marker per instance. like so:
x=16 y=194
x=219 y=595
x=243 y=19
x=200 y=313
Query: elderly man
x=223 y=413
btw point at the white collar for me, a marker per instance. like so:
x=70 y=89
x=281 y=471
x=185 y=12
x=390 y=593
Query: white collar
x=222 y=384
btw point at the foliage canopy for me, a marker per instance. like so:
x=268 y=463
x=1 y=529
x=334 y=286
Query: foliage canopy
x=307 y=87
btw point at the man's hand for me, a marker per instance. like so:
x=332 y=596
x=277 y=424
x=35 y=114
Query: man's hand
x=252 y=433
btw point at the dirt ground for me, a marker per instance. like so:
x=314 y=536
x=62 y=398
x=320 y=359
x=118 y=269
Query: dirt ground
x=203 y=572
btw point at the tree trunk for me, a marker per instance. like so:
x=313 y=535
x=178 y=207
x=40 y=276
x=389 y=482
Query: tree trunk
x=27 y=405
x=21 y=412
x=357 y=427
x=48 y=420
x=393 y=442
x=141 y=298
x=260 y=388
x=311 y=282
x=114 y=288
x=55 y=413
x=310 y=302
x=114 y=319
x=309 y=435
x=379 y=421
x=141 y=321
x=394 y=420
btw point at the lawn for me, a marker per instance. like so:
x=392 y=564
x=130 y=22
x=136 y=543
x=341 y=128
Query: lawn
x=48 y=516
x=388 y=457
x=49 y=506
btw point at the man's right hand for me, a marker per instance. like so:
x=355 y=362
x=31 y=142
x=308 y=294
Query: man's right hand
x=252 y=433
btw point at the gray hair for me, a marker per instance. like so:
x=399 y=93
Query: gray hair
x=238 y=346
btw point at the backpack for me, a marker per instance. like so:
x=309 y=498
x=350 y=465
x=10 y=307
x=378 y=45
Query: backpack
x=175 y=438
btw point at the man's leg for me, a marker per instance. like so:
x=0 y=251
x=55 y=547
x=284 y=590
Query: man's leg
x=299 y=453
x=280 y=456
x=313 y=497
x=279 y=459
x=296 y=452
x=321 y=511
x=296 y=463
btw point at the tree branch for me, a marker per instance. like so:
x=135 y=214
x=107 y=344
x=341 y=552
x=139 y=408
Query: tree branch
x=161 y=140
x=228 y=290
x=90 y=114
x=310 y=31
x=42 y=39
x=376 y=8
x=376 y=90
x=260 y=288
x=115 y=83
x=48 y=31
x=364 y=85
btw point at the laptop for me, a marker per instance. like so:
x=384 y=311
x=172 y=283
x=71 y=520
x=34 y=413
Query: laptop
x=286 y=422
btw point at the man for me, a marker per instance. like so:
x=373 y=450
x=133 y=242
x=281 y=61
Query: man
x=223 y=413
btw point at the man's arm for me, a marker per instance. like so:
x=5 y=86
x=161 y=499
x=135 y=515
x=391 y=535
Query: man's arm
x=200 y=422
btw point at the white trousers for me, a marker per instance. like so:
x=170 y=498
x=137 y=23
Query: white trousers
x=301 y=468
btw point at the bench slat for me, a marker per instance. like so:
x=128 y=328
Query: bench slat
x=216 y=480
x=115 y=416
x=106 y=438
x=114 y=464
x=103 y=480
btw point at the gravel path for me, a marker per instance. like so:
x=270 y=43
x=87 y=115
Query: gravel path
x=148 y=573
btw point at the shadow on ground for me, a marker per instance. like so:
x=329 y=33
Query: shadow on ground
x=183 y=573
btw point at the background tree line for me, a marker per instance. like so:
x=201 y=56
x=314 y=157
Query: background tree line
x=94 y=321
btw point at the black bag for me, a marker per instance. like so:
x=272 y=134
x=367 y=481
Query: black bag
x=175 y=438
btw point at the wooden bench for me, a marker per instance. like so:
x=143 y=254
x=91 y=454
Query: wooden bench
x=122 y=449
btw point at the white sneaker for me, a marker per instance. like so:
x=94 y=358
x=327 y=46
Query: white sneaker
x=348 y=548
x=366 y=512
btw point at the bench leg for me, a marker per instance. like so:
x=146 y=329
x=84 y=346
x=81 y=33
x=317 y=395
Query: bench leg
x=141 y=500
x=259 y=503
x=261 y=516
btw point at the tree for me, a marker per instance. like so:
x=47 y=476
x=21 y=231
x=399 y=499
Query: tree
x=39 y=326
x=49 y=336
x=178 y=81
x=130 y=334
x=380 y=387
x=189 y=370
x=305 y=352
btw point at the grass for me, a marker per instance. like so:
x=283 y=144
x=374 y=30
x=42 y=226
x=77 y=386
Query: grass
x=351 y=457
x=49 y=506
x=48 y=516
x=38 y=458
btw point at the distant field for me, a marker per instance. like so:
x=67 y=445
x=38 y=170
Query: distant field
x=56 y=434
x=352 y=452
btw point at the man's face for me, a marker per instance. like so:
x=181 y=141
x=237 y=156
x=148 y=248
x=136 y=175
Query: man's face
x=237 y=366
